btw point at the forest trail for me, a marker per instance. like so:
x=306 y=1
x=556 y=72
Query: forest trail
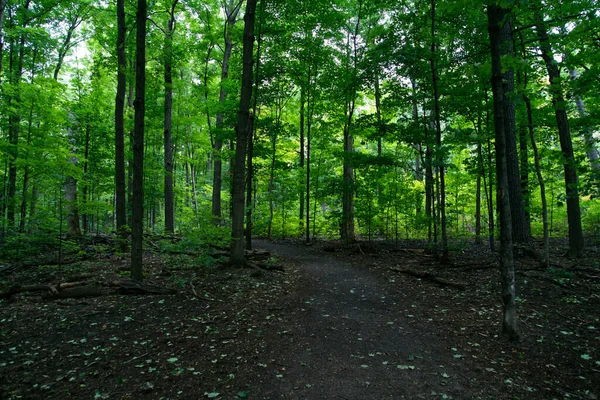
x=349 y=338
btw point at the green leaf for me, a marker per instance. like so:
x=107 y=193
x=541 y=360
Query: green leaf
x=212 y=395
x=586 y=357
x=243 y=394
x=172 y=359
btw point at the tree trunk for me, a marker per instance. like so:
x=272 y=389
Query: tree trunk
x=591 y=150
x=86 y=166
x=500 y=35
x=302 y=102
x=168 y=117
x=137 y=217
x=2 y=8
x=438 y=131
x=250 y=177
x=14 y=122
x=348 y=234
x=564 y=133
x=231 y=13
x=120 y=194
x=538 y=171
x=521 y=231
x=242 y=133
x=309 y=109
x=272 y=180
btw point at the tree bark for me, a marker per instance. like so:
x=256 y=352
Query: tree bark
x=521 y=231
x=137 y=217
x=14 y=122
x=591 y=149
x=500 y=35
x=231 y=13
x=566 y=145
x=348 y=233
x=242 y=133
x=438 y=131
x=2 y=8
x=252 y=134
x=120 y=194
x=168 y=118
x=309 y=109
x=301 y=162
x=538 y=171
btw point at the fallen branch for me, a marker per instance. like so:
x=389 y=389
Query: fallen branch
x=268 y=266
x=135 y=287
x=93 y=290
x=430 y=277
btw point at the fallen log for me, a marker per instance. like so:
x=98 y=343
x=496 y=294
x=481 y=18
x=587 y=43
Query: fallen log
x=430 y=278
x=75 y=292
x=269 y=266
x=135 y=287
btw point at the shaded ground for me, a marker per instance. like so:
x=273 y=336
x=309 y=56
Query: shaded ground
x=339 y=323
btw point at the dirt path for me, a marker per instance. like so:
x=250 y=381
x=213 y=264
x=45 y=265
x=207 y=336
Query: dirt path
x=348 y=338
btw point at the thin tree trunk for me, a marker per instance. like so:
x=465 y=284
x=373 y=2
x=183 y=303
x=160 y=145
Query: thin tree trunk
x=538 y=171
x=86 y=167
x=137 y=218
x=500 y=35
x=120 y=193
x=521 y=231
x=302 y=156
x=272 y=178
x=14 y=121
x=309 y=108
x=566 y=145
x=2 y=8
x=438 y=130
x=67 y=44
x=348 y=233
x=591 y=149
x=168 y=118
x=252 y=134
x=231 y=13
x=242 y=133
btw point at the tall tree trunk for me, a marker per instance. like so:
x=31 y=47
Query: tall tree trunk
x=490 y=197
x=242 y=133
x=564 y=133
x=272 y=176
x=348 y=233
x=2 y=8
x=120 y=193
x=538 y=171
x=478 y=197
x=86 y=167
x=168 y=117
x=231 y=13
x=137 y=217
x=591 y=149
x=14 y=122
x=301 y=162
x=252 y=134
x=521 y=231
x=249 y=178
x=438 y=131
x=72 y=203
x=309 y=109
x=500 y=35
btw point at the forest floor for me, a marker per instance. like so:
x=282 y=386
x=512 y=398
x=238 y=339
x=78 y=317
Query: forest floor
x=340 y=322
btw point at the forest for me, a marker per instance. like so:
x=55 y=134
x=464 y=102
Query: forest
x=173 y=135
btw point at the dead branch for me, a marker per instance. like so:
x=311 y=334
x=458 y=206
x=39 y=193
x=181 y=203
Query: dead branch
x=430 y=277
